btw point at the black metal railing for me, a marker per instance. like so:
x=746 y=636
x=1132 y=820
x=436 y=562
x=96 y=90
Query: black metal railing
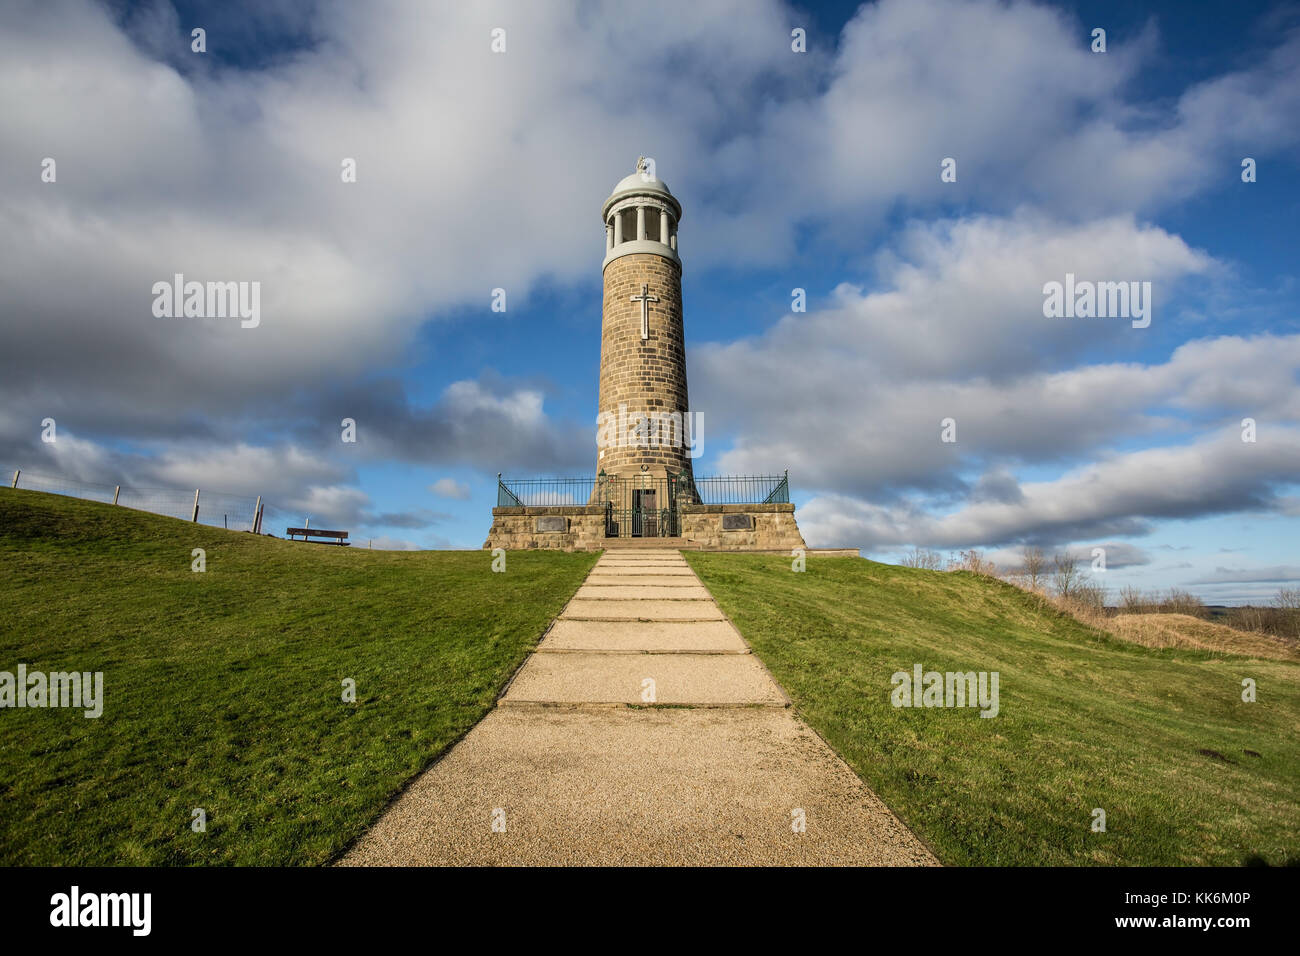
x=543 y=492
x=641 y=506
x=742 y=489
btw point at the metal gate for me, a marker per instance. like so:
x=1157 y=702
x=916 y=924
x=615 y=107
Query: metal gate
x=640 y=507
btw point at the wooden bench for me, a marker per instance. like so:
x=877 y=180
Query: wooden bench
x=339 y=537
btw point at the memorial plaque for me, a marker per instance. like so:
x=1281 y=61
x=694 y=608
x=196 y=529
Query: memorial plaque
x=552 y=523
x=737 y=523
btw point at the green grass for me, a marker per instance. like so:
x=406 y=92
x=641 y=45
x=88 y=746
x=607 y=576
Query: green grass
x=223 y=689
x=1086 y=721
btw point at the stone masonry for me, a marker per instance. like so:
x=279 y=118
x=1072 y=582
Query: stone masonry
x=646 y=431
x=643 y=376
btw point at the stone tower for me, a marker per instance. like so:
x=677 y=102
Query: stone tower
x=644 y=426
x=645 y=492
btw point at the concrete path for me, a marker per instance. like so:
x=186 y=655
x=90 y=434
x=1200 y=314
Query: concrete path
x=642 y=731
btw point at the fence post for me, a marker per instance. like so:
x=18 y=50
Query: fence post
x=116 y=491
x=17 y=472
x=196 y=505
x=257 y=513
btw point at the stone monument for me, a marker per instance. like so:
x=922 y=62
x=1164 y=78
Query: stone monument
x=645 y=491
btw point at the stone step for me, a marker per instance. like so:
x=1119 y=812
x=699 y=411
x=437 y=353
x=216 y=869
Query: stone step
x=626 y=572
x=701 y=680
x=639 y=637
x=671 y=557
x=643 y=569
x=583 y=609
x=642 y=580
x=610 y=592
x=645 y=544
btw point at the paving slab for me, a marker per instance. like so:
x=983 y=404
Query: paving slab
x=642 y=553
x=595 y=678
x=609 y=592
x=644 y=787
x=675 y=574
x=623 y=637
x=683 y=570
x=640 y=580
x=643 y=610
x=642 y=556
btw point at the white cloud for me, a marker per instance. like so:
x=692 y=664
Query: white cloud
x=851 y=397
x=450 y=488
x=1120 y=495
x=1278 y=573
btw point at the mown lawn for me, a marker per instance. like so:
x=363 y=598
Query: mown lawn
x=223 y=689
x=1186 y=772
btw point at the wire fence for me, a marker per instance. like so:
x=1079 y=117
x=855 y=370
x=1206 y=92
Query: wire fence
x=276 y=520
x=216 y=508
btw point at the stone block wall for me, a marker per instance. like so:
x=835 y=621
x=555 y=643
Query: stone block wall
x=769 y=528
x=516 y=529
x=773 y=527
x=646 y=376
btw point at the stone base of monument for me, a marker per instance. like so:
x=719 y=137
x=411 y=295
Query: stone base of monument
x=753 y=527
x=739 y=527
x=562 y=527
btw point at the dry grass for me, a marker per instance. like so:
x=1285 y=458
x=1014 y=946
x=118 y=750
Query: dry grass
x=1177 y=619
x=1186 y=631
x=1278 y=621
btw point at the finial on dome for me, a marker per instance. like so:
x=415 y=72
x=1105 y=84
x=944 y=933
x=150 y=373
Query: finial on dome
x=642 y=164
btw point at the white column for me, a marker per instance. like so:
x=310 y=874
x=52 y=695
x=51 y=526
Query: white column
x=640 y=222
x=672 y=238
x=663 y=226
x=618 y=228
x=609 y=237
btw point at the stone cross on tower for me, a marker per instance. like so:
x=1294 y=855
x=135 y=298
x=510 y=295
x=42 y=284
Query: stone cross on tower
x=645 y=299
x=643 y=363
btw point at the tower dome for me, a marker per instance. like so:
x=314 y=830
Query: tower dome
x=641 y=216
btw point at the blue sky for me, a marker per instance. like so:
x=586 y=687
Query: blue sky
x=816 y=170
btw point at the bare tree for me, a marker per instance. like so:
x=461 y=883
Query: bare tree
x=1133 y=601
x=1288 y=599
x=1066 y=575
x=972 y=560
x=1090 y=595
x=1177 y=601
x=1287 y=604
x=1034 y=563
x=924 y=559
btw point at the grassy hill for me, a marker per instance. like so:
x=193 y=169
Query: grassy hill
x=1160 y=739
x=223 y=689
